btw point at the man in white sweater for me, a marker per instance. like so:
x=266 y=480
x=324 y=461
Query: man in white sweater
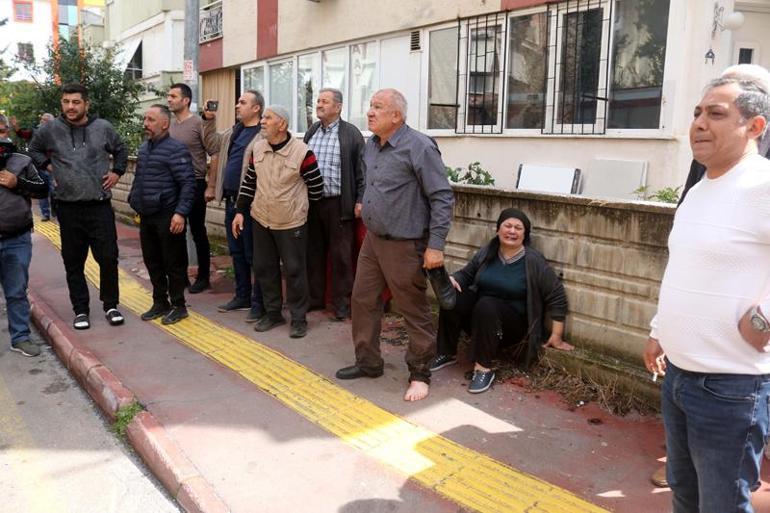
x=711 y=322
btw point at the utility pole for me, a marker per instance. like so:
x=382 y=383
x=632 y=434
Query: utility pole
x=191 y=29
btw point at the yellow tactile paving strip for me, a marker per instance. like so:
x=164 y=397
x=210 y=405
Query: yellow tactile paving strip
x=469 y=478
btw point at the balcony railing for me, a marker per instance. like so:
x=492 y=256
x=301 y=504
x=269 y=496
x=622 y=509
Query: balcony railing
x=210 y=22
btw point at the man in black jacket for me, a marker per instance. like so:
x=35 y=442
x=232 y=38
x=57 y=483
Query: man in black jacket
x=163 y=193
x=338 y=146
x=19 y=181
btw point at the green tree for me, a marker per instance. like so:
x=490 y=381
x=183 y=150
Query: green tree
x=112 y=95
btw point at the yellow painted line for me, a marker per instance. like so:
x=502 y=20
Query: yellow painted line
x=27 y=474
x=467 y=477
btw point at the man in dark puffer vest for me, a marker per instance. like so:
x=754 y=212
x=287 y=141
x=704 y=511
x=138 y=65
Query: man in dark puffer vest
x=19 y=181
x=162 y=193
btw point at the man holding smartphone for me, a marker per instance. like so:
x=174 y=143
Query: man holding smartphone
x=188 y=129
x=235 y=147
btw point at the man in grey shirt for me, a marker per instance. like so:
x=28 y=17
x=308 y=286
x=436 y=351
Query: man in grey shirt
x=407 y=209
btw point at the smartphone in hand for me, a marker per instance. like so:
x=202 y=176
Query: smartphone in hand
x=212 y=105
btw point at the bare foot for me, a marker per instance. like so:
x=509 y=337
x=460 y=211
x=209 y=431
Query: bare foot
x=417 y=390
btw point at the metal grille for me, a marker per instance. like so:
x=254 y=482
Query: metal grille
x=480 y=80
x=210 y=21
x=578 y=72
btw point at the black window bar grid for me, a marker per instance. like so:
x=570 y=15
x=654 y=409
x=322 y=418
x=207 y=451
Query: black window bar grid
x=577 y=96
x=481 y=89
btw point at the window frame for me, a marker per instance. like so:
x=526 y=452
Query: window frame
x=665 y=126
x=31 y=4
x=425 y=71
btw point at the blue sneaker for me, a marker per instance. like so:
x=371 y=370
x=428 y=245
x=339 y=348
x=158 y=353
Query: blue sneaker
x=481 y=381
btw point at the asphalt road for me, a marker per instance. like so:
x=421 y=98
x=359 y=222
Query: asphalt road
x=57 y=453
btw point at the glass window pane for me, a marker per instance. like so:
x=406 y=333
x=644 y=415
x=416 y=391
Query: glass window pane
x=526 y=71
x=363 y=76
x=442 y=78
x=638 y=56
x=333 y=62
x=308 y=69
x=254 y=78
x=580 y=54
x=280 y=84
x=483 y=75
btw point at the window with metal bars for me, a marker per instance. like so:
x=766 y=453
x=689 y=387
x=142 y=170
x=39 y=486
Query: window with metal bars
x=574 y=67
x=480 y=74
x=578 y=67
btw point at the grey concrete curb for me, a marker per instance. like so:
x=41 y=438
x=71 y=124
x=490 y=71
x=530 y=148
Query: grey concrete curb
x=147 y=436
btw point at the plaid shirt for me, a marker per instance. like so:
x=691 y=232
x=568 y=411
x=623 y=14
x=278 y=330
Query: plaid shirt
x=325 y=144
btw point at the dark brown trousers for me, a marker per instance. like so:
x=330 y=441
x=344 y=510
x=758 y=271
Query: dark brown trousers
x=396 y=264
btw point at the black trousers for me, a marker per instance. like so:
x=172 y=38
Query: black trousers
x=165 y=256
x=328 y=234
x=197 y=220
x=84 y=225
x=490 y=322
x=271 y=247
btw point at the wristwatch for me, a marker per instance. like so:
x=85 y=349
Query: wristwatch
x=758 y=321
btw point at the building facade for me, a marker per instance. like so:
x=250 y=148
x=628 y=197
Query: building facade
x=29 y=26
x=149 y=38
x=504 y=82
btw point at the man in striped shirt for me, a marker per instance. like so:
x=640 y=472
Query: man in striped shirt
x=276 y=191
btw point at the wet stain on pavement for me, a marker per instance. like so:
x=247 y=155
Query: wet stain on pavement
x=57 y=386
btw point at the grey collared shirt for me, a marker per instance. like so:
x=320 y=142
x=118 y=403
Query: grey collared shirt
x=407 y=194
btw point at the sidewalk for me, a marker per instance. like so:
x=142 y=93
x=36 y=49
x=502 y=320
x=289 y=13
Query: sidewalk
x=256 y=422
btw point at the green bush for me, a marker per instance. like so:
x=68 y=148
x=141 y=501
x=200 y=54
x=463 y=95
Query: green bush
x=474 y=175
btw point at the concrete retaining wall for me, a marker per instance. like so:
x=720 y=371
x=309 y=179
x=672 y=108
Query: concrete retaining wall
x=610 y=254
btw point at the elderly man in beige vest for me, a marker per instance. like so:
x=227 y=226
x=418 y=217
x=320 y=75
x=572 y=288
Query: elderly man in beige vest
x=282 y=178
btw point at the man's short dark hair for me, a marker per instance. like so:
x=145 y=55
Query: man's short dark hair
x=163 y=109
x=75 y=88
x=183 y=88
x=258 y=99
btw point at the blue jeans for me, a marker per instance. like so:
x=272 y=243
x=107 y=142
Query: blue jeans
x=242 y=252
x=716 y=428
x=15 y=255
x=45 y=204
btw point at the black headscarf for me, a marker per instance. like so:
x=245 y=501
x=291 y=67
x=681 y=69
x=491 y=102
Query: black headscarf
x=517 y=214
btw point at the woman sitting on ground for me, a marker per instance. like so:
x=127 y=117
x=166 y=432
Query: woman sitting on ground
x=503 y=293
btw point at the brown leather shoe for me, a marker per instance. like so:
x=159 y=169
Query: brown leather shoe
x=659 y=478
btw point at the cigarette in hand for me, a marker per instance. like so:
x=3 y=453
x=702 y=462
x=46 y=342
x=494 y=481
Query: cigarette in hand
x=654 y=377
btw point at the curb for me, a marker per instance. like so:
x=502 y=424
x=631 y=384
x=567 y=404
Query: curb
x=147 y=436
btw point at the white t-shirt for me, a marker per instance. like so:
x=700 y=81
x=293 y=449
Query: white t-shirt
x=718 y=267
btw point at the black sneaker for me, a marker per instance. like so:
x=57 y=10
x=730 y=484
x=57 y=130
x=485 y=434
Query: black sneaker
x=481 y=381
x=176 y=314
x=255 y=314
x=298 y=329
x=266 y=323
x=199 y=286
x=156 y=311
x=114 y=317
x=235 y=304
x=26 y=347
x=341 y=313
x=440 y=361
x=81 y=322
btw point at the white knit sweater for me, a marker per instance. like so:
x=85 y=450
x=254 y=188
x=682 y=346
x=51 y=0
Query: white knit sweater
x=718 y=267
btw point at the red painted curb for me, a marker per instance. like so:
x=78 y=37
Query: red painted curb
x=160 y=453
x=196 y=496
x=170 y=465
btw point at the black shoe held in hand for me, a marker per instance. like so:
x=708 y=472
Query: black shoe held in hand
x=442 y=287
